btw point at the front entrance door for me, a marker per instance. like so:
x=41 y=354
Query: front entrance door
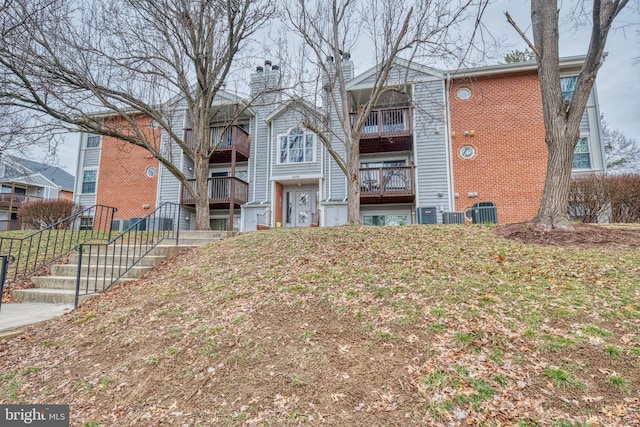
x=305 y=207
x=300 y=207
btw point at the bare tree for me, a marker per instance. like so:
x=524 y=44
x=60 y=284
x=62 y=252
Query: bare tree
x=395 y=29
x=561 y=116
x=122 y=58
x=622 y=152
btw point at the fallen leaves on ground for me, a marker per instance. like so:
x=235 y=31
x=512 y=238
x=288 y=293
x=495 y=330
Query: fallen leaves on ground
x=442 y=325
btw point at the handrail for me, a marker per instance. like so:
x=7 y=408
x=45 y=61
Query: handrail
x=100 y=265
x=42 y=248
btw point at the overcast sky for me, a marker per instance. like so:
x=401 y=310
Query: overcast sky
x=618 y=81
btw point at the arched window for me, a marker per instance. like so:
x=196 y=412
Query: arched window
x=298 y=146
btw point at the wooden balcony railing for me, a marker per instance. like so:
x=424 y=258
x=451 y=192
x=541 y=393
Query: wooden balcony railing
x=386 y=123
x=224 y=138
x=16 y=200
x=221 y=190
x=387 y=182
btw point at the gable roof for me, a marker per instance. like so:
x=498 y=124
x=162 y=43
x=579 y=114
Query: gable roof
x=398 y=62
x=292 y=104
x=27 y=169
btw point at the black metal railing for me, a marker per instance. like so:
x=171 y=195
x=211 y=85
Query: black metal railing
x=42 y=248
x=5 y=260
x=100 y=265
x=264 y=219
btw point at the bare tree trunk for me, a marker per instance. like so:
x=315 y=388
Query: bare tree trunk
x=353 y=183
x=553 y=213
x=201 y=168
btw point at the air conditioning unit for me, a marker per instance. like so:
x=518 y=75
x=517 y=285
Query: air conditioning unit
x=427 y=215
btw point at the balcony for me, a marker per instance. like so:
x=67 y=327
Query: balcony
x=16 y=200
x=393 y=184
x=225 y=140
x=386 y=130
x=221 y=192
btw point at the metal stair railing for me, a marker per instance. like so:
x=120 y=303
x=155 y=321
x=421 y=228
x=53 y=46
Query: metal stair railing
x=100 y=265
x=38 y=250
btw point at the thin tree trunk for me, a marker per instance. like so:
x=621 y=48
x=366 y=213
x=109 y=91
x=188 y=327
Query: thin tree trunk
x=201 y=168
x=353 y=183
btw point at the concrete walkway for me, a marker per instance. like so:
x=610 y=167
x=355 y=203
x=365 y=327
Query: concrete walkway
x=17 y=315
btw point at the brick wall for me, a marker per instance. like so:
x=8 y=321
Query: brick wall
x=122 y=176
x=505 y=115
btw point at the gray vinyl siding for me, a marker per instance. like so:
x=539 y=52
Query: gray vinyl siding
x=89 y=159
x=281 y=126
x=264 y=104
x=430 y=146
x=169 y=190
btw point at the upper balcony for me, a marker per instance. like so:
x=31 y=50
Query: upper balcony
x=389 y=184
x=16 y=199
x=225 y=139
x=386 y=130
x=221 y=192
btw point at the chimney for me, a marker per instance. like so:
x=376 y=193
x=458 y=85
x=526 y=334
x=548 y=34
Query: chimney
x=267 y=65
x=275 y=68
x=259 y=70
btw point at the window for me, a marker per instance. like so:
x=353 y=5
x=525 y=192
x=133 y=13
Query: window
x=297 y=146
x=464 y=93
x=89 y=179
x=568 y=85
x=385 y=220
x=581 y=157
x=151 y=171
x=93 y=141
x=86 y=223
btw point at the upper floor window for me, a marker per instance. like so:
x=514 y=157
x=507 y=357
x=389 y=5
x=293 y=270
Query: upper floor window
x=298 y=146
x=89 y=180
x=581 y=156
x=568 y=85
x=93 y=141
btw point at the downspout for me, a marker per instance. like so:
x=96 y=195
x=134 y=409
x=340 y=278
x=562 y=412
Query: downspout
x=253 y=157
x=268 y=180
x=447 y=92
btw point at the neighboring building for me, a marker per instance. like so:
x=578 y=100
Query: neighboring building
x=437 y=142
x=115 y=173
x=24 y=181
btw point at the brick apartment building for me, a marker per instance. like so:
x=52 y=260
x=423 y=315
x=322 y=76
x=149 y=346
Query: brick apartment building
x=453 y=139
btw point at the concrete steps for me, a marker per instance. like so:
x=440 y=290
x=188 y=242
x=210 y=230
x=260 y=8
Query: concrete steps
x=59 y=287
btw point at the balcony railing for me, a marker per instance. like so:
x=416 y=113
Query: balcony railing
x=387 y=182
x=223 y=138
x=16 y=200
x=386 y=123
x=221 y=190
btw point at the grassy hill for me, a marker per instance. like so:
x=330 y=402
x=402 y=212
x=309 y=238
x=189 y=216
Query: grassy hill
x=349 y=326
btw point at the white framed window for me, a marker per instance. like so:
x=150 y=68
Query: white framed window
x=93 y=141
x=581 y=155
x=568 y=86
x=89 y=181
x=151 y=171
x=297 y=146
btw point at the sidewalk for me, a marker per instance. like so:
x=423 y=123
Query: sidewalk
x=16 y=315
